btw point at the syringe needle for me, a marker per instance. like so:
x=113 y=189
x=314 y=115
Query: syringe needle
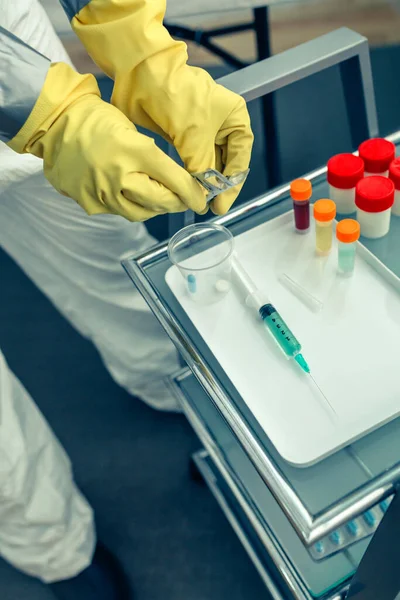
x=323 y=395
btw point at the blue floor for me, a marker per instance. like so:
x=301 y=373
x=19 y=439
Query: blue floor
x=131 y=462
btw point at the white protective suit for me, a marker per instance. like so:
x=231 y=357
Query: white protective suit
x=46 y=526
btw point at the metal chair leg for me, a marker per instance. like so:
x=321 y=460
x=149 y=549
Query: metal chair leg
x=261 y=26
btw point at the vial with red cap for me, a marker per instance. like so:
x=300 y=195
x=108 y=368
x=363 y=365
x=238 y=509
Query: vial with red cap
x=377 y=154
x=394 y=175
x=344 y=172
x=374 y=201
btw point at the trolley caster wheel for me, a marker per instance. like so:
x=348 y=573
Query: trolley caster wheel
x=194 y=472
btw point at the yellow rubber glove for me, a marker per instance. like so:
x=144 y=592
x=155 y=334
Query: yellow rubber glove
x=93 y=154
x=208 y=124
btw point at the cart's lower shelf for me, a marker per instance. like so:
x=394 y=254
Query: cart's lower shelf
x=238 y=522
x=268 y=530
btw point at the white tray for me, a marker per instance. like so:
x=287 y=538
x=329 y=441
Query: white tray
x=352 y=345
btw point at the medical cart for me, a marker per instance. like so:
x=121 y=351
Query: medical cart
x=282 y=514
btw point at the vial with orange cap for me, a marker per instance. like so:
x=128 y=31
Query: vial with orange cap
x=347 y=234
x=324 y=214
x=301 y=191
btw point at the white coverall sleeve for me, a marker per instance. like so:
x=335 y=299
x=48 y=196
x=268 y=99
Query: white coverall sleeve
x=28 y=44
x=132 y=344
x=46 y=526
x=22 y=75
x=25 y=29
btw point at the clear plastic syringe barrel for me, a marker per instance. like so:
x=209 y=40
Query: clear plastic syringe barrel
x=276 y=326
x=272 y=319
x=280 y=331
x=254 y=298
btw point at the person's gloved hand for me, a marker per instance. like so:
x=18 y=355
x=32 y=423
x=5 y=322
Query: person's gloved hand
x=93 y=154
x=208 y=124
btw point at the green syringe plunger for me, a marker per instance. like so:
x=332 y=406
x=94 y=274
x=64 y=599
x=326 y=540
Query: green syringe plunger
x=285 y=339
x=276 y=326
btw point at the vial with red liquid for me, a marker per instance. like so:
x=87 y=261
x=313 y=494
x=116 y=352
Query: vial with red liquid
x=301 y=191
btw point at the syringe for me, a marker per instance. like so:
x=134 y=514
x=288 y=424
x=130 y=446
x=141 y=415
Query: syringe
x=276 y=326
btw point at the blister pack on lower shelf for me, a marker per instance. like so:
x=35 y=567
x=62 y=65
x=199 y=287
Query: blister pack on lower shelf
x=351 y=532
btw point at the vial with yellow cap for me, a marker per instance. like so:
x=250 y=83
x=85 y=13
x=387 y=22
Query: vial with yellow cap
x=324 y=213
x=347 y=234
x=301 y=191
